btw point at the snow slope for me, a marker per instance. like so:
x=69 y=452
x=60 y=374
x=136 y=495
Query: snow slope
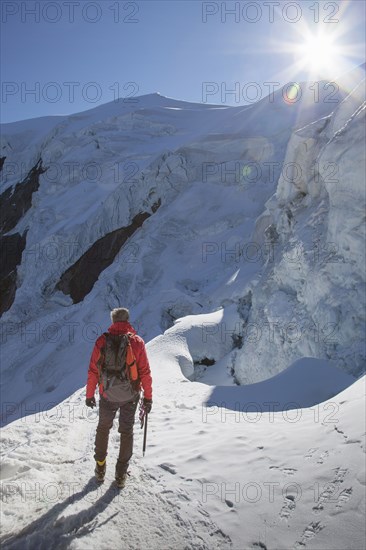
x=211 y=477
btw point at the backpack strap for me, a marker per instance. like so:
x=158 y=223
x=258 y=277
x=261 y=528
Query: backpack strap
x=100 y=362
x=131 y=365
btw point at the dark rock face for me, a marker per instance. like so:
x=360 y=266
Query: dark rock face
x=79 y=279
x=15 y=201
x=11 y=249
x=206 y=361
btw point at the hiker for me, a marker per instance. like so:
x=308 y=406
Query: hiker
x=120 y=366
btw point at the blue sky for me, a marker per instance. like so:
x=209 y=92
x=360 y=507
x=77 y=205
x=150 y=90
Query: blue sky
x=75 y=55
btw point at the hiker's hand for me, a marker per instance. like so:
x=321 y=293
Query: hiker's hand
x=90 y=402
x=147 y=405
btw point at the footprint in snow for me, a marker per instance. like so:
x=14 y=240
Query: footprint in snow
x=311 y=452
x=344 y=496
x=286 y=471
x=288 y=507
x=168 y=467
x=322 y=457
x=309 y=533
x=330 y=493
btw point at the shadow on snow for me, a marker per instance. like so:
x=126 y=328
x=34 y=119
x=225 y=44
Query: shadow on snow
x=51 y=531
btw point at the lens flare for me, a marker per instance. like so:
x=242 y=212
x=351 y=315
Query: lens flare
x=292 y=94
x=246 y=171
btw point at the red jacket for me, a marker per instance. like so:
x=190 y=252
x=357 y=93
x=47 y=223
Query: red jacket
x=138 y=348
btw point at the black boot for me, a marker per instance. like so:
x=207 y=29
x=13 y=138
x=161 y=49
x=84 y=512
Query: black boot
x=100 y=468
x=121 y=475
x=121 y=480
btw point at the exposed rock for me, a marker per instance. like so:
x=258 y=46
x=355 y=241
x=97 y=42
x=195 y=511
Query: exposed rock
x=245 y=305
x=79 y=279
x=11 y=247
x=15 y=201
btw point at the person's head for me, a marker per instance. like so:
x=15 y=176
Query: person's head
x=120 y=314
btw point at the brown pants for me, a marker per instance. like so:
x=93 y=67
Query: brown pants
x=107 y=412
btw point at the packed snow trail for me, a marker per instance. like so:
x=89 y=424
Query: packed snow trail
x=65 y=507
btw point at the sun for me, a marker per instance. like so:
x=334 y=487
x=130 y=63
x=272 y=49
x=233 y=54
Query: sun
x=318 y=53
x=321 y=52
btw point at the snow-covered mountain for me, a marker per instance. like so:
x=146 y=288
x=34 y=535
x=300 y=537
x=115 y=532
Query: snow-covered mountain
x=238 y=232
x=180 y=209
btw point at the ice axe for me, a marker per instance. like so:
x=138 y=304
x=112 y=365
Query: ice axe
x=145 y=434
x=143 y=424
